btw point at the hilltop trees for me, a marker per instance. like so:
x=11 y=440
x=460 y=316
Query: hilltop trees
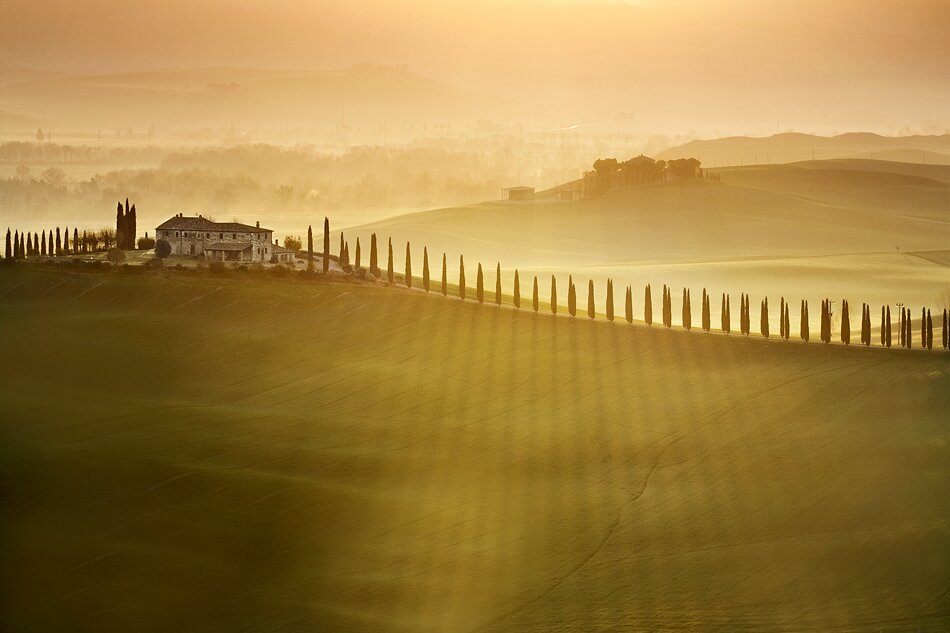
x=725 y=318
x=535 y=300
x=516 y=291
x=425 y=268
x=309 y=248
x=590 y=298
x=667 y=307
x=866 y=324
x=326 y=248
x=888 y=326
x=687 y=315
x=648 y=305
x=480 y=285
x=498 y=284
x=706 y=317
x=390 y=272
x=373 y=258
x=930 y=331
x=610 y=300
x=628 y=305
x=553 y=295
x=408 y=277
x=461 y=277
x=445 y=277
x=571 y=297
x=883 y=327
x=357 y=251
x=945 y=331
x=764 y=318
x=923 y=328
x=42 y=243
x=845 y=322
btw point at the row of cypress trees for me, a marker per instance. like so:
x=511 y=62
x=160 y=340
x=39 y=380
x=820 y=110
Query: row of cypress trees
x=667 y=316
x=22 y=245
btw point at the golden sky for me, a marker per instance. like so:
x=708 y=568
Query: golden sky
x=871 y=63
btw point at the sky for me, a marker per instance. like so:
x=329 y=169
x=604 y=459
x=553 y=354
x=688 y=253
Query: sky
x=734 y=66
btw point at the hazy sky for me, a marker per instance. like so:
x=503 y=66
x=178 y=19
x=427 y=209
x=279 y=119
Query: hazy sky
x=730 y=66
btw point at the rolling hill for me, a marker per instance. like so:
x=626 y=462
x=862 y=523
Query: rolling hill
x=221 y=453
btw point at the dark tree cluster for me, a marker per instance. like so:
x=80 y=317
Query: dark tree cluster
x=125 y=226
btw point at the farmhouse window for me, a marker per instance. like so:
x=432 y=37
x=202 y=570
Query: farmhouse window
x=220 y=236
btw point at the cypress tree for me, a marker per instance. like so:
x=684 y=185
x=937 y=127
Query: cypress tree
x=326 y=248
x=571 y=297
x=648 y=305
x=553 y=295
x=707 y=316
x=946 y=330
x=357 y=251
x=903 y=330
x=923 y=328
x=909 y=335
x=76 y=241
x=610 y=300
x=342 y=248
x=346 y=253
x=66 y=241
x=535 y=299
x=787 y=328
x=764 y=318
x=59 y=242
x=425 y=268
x=516 y=291
x=390 y=271
x=667 y=307
x=85 y=242
x=462 y=277
x=445 y=277
x=687 y=310
x=16 y=245
x=628 y=305
x=480 y=285
x=888 y=322
x=408 y=278
x=883 y=328
x=373 y=257
x=845 y=322
x=43 y=244
x=498 y=284
x=590 y=298
x=724 y=324
x=309 y=248
x=930 y=331
x=8 y=251
x=742 y=313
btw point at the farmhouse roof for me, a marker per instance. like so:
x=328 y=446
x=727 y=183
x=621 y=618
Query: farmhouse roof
x=199 y=223
x=518 y=188
x=228 y=246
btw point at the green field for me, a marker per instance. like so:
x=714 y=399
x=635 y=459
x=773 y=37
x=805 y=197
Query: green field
x=198 y=453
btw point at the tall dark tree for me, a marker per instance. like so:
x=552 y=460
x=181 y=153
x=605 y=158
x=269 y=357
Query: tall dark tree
x=764 y=318
x=390 y=270
x=553 y=295
x=373 y=257
x=119 y=227
x=845 y=322
x=85 y=242
x=425 y=268
x=66 y=241
x=130 y=228
x=945 y=331
x=647 y=305
x=326 y=247
x=707 y=316
x=667 y=307
x=883 y=328
x=8 y=251
x=591 y=311
x=781 y=319
x=498 y=284
x=724 y=317
x=787 y=334
x=903 y=330
x=445 y=277
x=43 y=244
x=909 y=334
x=930 y=331
x=516 y=291
x=15 y=253
x=687 y=310
x=309 y=249
x=887 y=340
x=408 y=275
x=76 y=240
x=535 y=298
x=628 y=305
x=923 y=328
x=462 y=277
x=480 y=285
x=59 y=242
x=357 y=262
x=571 y=297
x=345 y=260
x=342 y=248
x=610 y=300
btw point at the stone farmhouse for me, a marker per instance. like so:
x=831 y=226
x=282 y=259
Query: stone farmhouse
x=223 y=241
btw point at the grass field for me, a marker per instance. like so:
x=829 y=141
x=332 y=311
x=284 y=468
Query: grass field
x=188 y=452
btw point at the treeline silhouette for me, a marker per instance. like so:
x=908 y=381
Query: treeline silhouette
x=725 y=323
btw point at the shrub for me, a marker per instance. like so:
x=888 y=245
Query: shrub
x=115 y=255
x=145 y=244
x=163 y=249
x=279 y=271
x=217 y=266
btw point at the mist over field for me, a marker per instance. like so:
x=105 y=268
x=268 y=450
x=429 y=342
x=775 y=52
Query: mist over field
x=528 y=315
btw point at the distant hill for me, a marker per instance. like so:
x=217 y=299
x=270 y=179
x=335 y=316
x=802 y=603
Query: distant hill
x=385 y=97
x=793 y=147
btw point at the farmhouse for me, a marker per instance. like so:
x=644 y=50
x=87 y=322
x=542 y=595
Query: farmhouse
x=519 y=194
x=225 y=241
